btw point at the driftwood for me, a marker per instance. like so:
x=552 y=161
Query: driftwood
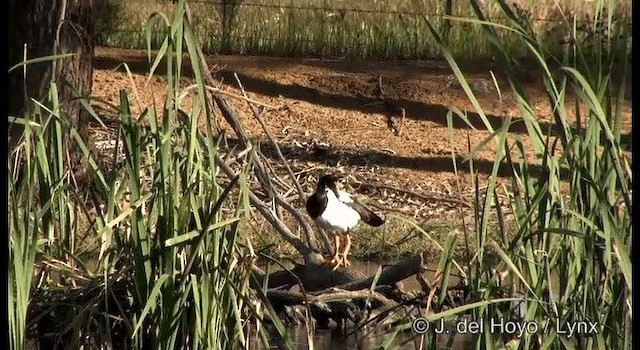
x=338 y=305
x=340 y=294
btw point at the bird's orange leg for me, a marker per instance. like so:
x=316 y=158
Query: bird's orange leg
x=336 y=261
x=347 y=247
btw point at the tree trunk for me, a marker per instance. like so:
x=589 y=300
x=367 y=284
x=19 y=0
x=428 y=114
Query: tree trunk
x=47 y=28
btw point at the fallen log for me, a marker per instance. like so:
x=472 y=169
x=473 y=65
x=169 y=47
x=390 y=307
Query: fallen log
x=390 y=275
x=296 y=298
x=319 y=280
x=338 y=305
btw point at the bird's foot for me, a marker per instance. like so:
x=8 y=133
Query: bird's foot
x=345 y=261
x=336 y=262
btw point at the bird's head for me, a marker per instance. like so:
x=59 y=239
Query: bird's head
x=328 y=180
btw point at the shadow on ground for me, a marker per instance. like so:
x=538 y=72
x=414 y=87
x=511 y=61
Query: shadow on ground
x=366 y=104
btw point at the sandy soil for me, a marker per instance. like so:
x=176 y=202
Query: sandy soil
x=336 y=119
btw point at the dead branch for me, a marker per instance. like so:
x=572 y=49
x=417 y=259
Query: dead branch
x=217 y=90
x=413 y=193
x=402 y=119
x=389 y=275
x=261 y=172
x=235 y=123
x=277 y=178
x=310 y=255
x=320 y=279
x=295 y=298
x=246 y=98
x=258 y=115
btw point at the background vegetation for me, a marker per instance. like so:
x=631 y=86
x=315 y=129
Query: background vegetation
x=568 y=259
x=355 y=29
x=171 y=271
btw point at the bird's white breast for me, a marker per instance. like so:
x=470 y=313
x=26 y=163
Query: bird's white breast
x=338 y=216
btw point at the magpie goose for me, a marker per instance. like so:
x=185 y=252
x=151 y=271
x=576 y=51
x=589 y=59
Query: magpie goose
x=335 y=211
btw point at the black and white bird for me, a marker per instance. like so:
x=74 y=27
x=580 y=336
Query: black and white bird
x=335 y=211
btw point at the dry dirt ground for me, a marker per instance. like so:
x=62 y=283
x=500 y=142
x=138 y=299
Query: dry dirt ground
x=335 y=120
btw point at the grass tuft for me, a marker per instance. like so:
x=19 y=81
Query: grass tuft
x=566 y=261
x=167 y=271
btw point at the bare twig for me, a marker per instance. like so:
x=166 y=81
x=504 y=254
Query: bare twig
x=295 y=298
x=230 y=158
x=308 y=254
x=386 y=208
x=216 y=90
x=279 y=180
x=258 y=115
x=246 y=98
x=413 y=193
x=261 y=172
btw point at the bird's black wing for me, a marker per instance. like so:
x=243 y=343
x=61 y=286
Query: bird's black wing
x=316 y=204
x=366 y=214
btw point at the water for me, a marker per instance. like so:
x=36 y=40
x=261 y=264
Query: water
x=410 y=283
x=331 y=339
x=369 y=337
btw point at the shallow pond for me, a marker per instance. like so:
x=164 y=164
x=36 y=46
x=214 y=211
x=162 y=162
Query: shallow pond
x=370 y=338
